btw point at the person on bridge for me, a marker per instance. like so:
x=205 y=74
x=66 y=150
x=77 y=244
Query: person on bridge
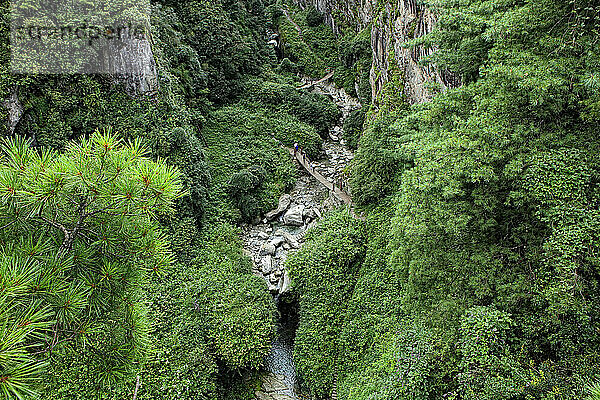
x=295 y=148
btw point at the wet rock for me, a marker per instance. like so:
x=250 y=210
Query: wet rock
x=273 y=388
x=272 y=287
x=285 y=285
x=309 y=213
x=293 y=216
x=267 y=249
x=290 y=240
x=317 y=213
x=266 y=265
x=263 y=235
x=277 y=241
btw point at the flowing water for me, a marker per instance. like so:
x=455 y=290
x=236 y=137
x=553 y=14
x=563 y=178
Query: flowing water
x=280 y=361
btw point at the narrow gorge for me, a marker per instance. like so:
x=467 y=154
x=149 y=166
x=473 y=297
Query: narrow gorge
x=300 y=200
x=282 y=231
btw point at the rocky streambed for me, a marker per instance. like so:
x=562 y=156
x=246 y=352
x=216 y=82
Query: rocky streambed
x=281 y=232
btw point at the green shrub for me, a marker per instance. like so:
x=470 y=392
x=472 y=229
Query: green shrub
x=488 y=369
x=287 y=67
x=310 y=108
x=313 y=17
x=323 y=273
x=593 y=391
x=315 y=51
x=399 y=368
x=353 y=126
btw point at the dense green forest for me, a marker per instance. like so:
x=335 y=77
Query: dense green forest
x=474 y=274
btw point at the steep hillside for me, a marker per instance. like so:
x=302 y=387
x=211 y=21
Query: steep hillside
x=325 y=199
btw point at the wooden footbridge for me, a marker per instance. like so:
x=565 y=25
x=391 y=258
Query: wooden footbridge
x=336 y=190
x=308 y=85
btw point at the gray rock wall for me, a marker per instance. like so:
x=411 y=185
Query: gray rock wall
x=133 y=61
x=14 y=111
x=394 y=22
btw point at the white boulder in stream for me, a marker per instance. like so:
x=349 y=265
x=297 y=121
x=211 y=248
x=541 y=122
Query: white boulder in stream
x=293 y=216
x=266 y=265
x=274 y=387
x=267 y=249
x=285 y=285
x=284 y=202
x=289 y=239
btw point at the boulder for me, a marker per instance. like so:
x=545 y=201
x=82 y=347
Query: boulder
x=272 y=288
x=309 y=213
x=276 y=242
x=273 y=387
x=317 y=212
x=284 y=202
x=266 y=265
x=263 y=235
x=285 y=285
x=291 y=240
x=267 y=249
x=293 y=216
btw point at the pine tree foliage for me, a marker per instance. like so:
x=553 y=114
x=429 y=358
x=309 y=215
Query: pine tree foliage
x=79 y=237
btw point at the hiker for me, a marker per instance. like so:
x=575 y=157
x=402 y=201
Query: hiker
x=295 y=148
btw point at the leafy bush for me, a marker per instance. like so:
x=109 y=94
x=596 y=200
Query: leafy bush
x=316 y=110
x=314 y=51
x=238 y=139
x=323 y=273
x=225 y=320
x=287 y=67
x=353 y=127
x=488 y=368
x=313 y=17
x=399 y=368
x=244 y=187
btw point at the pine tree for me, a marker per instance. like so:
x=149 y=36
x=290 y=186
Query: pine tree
x=78 y=237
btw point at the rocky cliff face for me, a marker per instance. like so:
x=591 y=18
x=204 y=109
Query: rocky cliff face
x=133 y=62
x=14 y=111
x=394 y=22
x=399 y=22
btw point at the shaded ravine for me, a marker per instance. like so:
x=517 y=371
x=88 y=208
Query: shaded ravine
x=281 y=232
